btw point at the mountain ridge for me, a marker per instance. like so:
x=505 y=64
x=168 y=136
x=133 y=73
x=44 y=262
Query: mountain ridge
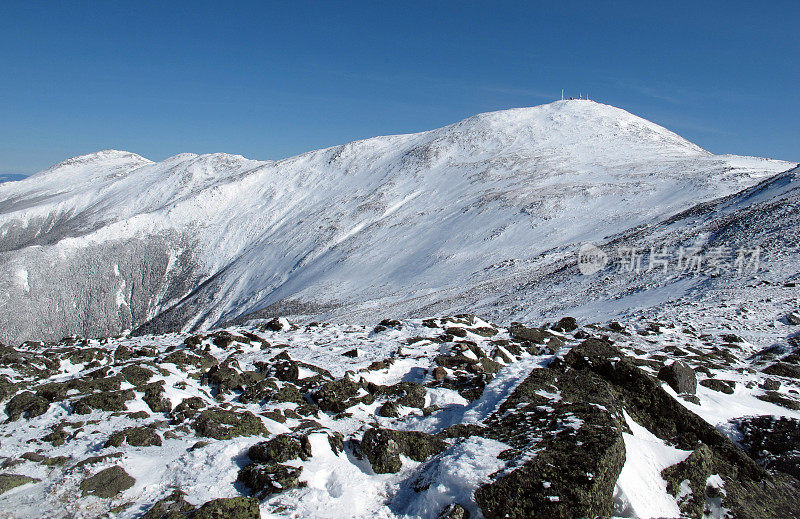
x=218 y=236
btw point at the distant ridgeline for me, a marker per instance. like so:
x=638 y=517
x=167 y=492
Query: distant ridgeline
x=10 y=177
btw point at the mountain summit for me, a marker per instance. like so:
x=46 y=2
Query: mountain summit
x=439 y=220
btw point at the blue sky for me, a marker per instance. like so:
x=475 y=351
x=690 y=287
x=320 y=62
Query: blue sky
x=272 y=79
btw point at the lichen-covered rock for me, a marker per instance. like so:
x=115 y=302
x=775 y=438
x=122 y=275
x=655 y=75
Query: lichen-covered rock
x=228 y=508
x=680 y=377
x=453 y=511
x=409 y=394
x=187 y=408
x=174 y=506
x=107 y=483
x=136 y=375
x=9 y=481
x=337 y=395
x=26 y=404
x=692 y=472
x=783 y=369
x=723 y=386
x=222 y=424
x=523 y=333
x=269 y=478
x=383 y=447
x=566 y=325
x=134 y=436
x=389 y=410
x=281 y=448
x=156 y=399
x=104 y=401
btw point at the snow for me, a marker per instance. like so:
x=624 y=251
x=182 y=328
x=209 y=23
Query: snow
x=640 y=481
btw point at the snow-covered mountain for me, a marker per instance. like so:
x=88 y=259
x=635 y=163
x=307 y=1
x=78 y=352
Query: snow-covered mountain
x=450 y=219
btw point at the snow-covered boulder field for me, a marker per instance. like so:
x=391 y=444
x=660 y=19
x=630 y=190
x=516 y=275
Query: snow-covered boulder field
x=448 y=417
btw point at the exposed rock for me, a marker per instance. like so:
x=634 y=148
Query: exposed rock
x=174 y=506
x=27 y=405
x=222 y=424
x=337 y=395
x=156 y=399
x=107 y=483
x=280 y=449
x=136 y=375
x=793 y=318
x=680 y=377
x=104 y=401
x=134 y=436
x=389 y=410
x=723 y=386
x=453 y=511
x=383 y=447
x=228 y=508
x=269 y=478
x=773 y=442
x=9 y=481
x=783 y=369
x=566 y=325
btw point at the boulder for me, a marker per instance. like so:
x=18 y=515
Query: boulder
x=680 y=377
x=107 y=483
x=723 y=386
x=228 y=508
x=9 y=481
x=281 y=448
x=265 y=479
x=566 y=325
x=135 y=437
x=222 y=424
x=27 y=405
x=383 y=447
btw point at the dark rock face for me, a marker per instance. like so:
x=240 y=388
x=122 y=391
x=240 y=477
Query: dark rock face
x=566 y=325
x=783 y=369
x=383 y=447
x=579 y=447
x=174 y=506
x=773 y=442
x=524 y=333
x=695 y=470
x=107 y=483
x=337 y=395
x=680 y=377
x=104 y=401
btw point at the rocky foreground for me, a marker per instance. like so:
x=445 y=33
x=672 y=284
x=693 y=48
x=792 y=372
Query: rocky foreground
x=452 y=417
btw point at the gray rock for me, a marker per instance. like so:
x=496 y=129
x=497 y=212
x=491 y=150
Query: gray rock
x=680 y=377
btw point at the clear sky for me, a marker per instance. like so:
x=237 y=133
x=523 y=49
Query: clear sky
x=273 y=79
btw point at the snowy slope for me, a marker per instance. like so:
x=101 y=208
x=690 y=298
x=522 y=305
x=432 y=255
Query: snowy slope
x=111 y=241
